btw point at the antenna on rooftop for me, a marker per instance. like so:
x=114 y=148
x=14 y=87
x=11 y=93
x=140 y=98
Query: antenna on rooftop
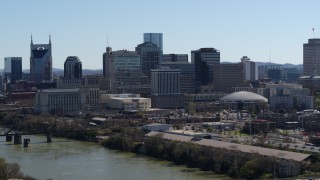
x=313 y=32
x=107 y=41
x=269 y=57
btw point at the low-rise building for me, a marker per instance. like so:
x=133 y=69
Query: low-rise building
x=126 y=102
x=247 y=99
x=157 y=127
x=259 y=126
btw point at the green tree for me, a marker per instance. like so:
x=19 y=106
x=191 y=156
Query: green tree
x=11 y=171
x=191 y=108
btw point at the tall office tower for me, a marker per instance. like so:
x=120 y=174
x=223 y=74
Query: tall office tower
x=41 y=62
x=106 y=60
x=150 y=55
x=250 y=69
x=187 y=75
x=12 y=70
x=115 y=63
x=311 y=57
x=155 y=38
x=175 y=58
x=72 y=68
x=165 y=88
x=204 y=59
x=228 y=76
x=165 y=81
x=274 y=72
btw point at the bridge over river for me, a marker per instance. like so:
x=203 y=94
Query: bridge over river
x=10 y=133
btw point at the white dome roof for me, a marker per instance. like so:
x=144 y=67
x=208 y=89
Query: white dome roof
x=244 y=96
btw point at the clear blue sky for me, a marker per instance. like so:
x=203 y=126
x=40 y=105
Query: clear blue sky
x=258 y=29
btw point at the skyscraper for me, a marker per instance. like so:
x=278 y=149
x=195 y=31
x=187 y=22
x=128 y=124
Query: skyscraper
x=150 y=55
x=204 y=59
x=40 y=62
x=165 y=88
x=155 y=38
x=228 y=76
x=116 y=63
x=250 y=69
x=187 y=77
x=165 y=81
x=311 y=57
x=12 y=69
x=72 y=68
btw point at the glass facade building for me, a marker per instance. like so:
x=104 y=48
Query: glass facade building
x=41 y=62
x=311 y=57
x=204 y=60
x=72 y=68
x=12 y=69
x=155 y=38
x=150 y=55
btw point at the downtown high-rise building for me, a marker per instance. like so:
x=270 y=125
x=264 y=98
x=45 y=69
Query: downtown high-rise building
x=165 y=81
x=40 y=62
x=155 y=38
x=311 y=57
x=187 y=76
x=150 y=55
x=12 y=70
x=121 y=68
x=229 y=76
x=204 y=60
x=250 y=69
x=72 y=68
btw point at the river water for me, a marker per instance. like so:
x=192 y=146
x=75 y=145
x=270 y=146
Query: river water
x=69 y=159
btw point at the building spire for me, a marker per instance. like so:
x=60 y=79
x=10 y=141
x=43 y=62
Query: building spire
x=31 y=39
x=49 y=38
x=107 y=41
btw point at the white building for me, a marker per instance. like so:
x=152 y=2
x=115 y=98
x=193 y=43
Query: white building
x=250 y=69
x=248 y=99
x=287 y=95
x=90 y=86
x=59 y=100
x=126 y=102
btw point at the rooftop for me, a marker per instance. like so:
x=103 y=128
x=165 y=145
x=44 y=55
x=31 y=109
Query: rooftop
x=299 y=157
x=59 y=90
x=243 y=96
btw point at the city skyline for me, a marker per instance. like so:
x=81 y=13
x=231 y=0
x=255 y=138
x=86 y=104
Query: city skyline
x=264 y=31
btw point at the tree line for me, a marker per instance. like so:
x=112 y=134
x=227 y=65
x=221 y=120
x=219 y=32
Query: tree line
x=236 y=164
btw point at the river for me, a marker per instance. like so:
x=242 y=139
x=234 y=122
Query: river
x=66 y=159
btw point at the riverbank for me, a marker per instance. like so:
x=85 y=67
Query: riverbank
x=71 y=159
x=127 y=135
x=220 y=161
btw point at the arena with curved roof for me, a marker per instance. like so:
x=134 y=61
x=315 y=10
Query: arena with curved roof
x=247 y=98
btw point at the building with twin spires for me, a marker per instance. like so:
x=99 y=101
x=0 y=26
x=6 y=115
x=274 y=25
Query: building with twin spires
x=40 y=62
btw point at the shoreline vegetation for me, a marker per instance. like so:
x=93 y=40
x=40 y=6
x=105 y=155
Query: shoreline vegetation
x=127 y=135
x=11 y=171
x=219 y=161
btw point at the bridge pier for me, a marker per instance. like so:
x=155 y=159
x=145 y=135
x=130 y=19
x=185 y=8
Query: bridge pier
x=26 y=142
x=8 y=138
x=49 y=137
x=17 y=139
